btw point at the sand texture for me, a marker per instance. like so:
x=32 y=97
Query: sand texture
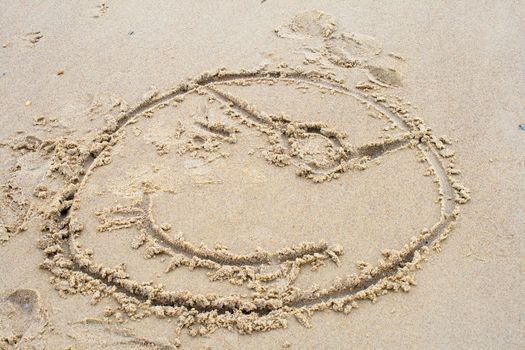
x=262 y=174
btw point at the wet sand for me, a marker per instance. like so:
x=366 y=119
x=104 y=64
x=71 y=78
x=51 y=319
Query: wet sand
x=261 y=175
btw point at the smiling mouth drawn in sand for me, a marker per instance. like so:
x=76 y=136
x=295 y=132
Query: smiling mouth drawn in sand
x=317 y=152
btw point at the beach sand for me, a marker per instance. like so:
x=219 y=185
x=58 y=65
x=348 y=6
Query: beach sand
x=262 y=175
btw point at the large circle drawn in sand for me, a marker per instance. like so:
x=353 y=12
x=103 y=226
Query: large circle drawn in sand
x=316 y=152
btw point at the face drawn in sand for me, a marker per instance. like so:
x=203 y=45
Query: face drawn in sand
x=202 y=142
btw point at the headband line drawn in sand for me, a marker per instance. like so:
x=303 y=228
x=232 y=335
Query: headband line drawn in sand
x=68 y=258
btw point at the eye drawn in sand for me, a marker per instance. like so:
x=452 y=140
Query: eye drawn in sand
x=315 y=151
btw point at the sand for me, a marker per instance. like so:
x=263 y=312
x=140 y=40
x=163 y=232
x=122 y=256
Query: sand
x=261 y=175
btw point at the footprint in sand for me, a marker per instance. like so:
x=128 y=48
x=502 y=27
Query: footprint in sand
x=22 y=318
